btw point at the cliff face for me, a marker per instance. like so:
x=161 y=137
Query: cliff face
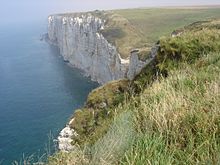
x=79 y=38
x=136 y=65
x=80 y=43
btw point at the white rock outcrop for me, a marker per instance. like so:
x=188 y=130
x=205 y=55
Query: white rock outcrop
x=80 y=43
x=65 y=138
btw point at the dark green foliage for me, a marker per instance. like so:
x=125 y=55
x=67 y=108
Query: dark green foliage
x=108 y=95
x=92 y=122
x=90 y=125
x=197 y=40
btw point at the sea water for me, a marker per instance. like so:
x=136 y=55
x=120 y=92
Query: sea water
x=38 y=92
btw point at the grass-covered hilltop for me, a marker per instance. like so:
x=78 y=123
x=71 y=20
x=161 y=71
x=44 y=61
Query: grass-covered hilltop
x=170 y=112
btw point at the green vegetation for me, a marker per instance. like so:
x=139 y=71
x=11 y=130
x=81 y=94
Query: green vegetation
x=129 y=29
x=121 y=33
x=103 y=97
x=176 y=122
x=196 y=40
x=94 y=120
x=141 y=28
x=107 y=150
x=156 y=22
x=178 y=117
x=169 y=113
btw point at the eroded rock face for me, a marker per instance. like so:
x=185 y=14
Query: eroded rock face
x=85 y=48
x=80 y=43
x=136 y=65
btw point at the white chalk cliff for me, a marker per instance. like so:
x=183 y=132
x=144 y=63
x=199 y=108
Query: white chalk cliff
x=80 y=43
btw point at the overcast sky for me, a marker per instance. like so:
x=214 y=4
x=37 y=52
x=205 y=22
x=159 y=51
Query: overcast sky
x=24 y=10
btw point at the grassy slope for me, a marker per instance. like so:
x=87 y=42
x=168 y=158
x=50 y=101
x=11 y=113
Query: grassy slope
x=176 y=120
x=121 y=33
x=141 y=28
x=154 y=23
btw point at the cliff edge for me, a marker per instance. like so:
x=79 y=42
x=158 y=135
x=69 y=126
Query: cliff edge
x=90 y=41
x=172 y=104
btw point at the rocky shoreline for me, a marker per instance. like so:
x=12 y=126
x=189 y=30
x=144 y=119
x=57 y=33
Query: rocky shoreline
x=65 y=138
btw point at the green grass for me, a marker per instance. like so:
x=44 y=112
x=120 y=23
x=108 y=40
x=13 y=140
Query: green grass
x=195 y=41
x=110 y=148
x=172 y=115
x=121 y=33
x=179 y=117
x=156 y=22
x=94 y=119
x=174 y=121
x=107 y=150
x=102 y=97
x=129 y=29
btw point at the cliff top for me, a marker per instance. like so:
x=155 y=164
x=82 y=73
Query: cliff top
x=130 y=29
x=152 y=23
x=118 y=30
x=121 y=33
x=97 y=13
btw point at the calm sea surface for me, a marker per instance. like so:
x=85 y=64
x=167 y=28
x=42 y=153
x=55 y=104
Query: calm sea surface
x=38 y=92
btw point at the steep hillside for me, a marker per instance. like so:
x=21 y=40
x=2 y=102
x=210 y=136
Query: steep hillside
x=168 y=114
